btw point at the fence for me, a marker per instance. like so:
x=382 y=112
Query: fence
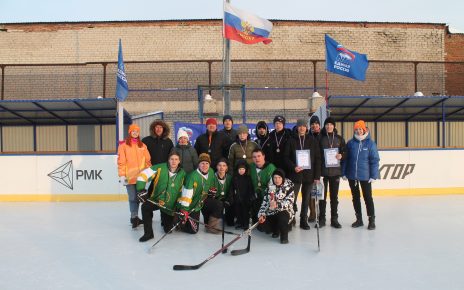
x=151 y=80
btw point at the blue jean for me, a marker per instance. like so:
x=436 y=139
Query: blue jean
x=133 y=201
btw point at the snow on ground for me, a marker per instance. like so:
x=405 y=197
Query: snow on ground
x=417 y=245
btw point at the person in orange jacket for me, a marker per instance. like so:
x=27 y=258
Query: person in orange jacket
x=133 y=157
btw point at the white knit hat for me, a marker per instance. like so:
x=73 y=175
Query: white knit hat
x=182 y=133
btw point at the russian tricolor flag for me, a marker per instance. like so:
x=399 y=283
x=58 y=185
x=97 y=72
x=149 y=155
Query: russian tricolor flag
x=244 y=27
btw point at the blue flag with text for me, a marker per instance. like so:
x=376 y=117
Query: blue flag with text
x=344 y=62
x=122 y=88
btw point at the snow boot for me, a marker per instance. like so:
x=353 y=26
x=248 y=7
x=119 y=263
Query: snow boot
x=146 y=237
x=304 y=223
x=214 y=224
x=321 y=221
x=284 y=238
x=371 y=225
x=334 y=222
x=359 y=221
x=136 y=221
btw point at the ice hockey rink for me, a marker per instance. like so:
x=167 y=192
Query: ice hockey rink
x=90 y=245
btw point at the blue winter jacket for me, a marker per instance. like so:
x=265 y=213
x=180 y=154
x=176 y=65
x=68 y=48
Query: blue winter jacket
x=362 y=159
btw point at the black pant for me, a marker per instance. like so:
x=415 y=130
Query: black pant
x=147 y=216
x=212 y=207
x=242 y=212
x=367 y=195
x=190 y=226
x=331 y=184
x=305 y=198
x=278 y=224
x=230 y=215
x=255 y=206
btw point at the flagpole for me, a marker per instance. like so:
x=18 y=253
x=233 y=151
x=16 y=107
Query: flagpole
x=226 y=68
x=327 y=88
x=120 y=122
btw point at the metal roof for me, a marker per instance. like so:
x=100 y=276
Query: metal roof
x=397 y=109
x=60 y=112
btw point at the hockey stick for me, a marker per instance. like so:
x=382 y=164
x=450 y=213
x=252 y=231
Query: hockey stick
x=195 y=267
x=243 y=251
x=191 y=218
x=165 y=234
x=223 y=226
x=317 y=190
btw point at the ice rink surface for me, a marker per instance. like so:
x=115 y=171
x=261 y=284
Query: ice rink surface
x=418 y=244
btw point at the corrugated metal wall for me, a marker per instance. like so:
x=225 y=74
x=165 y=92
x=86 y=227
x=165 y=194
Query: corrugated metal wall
x=423 y=134
x=84 y=138
x=18 y=139
x=51 y=138
x=455 y=134
x=391 y=134
x=87 y=137
x=109 y=137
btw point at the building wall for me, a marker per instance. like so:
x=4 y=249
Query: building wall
x=454 y=44
x=174 y=40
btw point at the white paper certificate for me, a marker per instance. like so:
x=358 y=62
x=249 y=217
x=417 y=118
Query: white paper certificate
x=330 y=155
x=303 y=159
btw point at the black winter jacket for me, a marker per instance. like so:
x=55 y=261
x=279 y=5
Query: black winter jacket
x=217 y=149
x=332 y=140
x=306 y=175
x=278 y=142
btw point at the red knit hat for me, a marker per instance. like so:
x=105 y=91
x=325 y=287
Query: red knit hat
x=211 y=121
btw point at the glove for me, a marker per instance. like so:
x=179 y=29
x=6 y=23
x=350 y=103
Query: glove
x=184 y=216
x=212 y=192
x=142 y=196
x=344 y=178
x=123 y=180
x=371 y=180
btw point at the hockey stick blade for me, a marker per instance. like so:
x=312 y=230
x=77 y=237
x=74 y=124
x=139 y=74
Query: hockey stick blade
x=188 y=267
x=195 y=267
x=242 y=251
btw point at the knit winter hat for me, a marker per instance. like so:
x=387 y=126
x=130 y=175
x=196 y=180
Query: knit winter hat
x=211 y=121
x=360 y=124
x=279 y=172
x=134 y=127
x=280 y=119
x=227 y=117
x=222 y=159
x=242 y=129
x=314 y=119
x=204 y=157
x=261 y=124
x=329 y=120
x=301 y=122
x=182 y=133
x=241 y=163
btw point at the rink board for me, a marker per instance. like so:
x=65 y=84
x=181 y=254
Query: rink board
x=95 y=177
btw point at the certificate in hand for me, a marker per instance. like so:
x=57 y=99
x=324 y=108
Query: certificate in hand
x=303 y=159
x=330 y=156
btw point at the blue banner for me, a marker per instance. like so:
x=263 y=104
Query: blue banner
x=344 y=62
x=122 y=88
x=195 y=130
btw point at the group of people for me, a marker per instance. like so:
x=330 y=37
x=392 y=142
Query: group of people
x=231 y=179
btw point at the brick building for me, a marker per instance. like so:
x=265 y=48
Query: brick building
x=74 y=60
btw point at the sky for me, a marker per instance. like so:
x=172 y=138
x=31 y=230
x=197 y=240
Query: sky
x=427 y=11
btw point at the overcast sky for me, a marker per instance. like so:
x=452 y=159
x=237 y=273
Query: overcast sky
x=429 y=11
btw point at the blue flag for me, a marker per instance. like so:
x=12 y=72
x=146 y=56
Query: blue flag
x=122 y=89
x=344 y=62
